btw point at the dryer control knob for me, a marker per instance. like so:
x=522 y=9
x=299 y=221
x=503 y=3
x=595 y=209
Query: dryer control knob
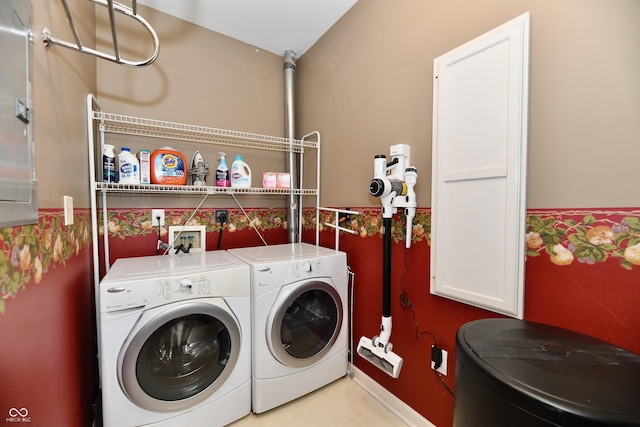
x=185 y=285
x=307 y=266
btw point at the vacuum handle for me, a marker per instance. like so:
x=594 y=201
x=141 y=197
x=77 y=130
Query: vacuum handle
x=386 y=268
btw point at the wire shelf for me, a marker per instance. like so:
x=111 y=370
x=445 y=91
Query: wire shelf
x=101 y=123
x=193 y=189
x=116 y=123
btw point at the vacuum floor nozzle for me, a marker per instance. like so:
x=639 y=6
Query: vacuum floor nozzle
x=387 y=361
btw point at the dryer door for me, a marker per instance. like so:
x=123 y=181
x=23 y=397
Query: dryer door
x=304 y=322
x=176 y=357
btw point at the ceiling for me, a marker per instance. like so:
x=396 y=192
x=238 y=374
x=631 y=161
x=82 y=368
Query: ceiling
x=271 y=25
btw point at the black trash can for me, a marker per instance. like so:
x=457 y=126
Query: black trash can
x=514 y=373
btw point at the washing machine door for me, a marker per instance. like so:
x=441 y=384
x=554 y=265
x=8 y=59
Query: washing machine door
x=304 y=322
x=178 y=356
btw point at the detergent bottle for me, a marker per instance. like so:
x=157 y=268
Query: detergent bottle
x=144 y=157
x=168 y=167
x=222 y=172
x=108 y=164
x=128 y=167
x=240 y=173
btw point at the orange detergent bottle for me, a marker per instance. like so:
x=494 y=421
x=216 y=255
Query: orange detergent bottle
x=168 y=167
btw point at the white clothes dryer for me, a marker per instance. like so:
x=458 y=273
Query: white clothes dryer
x=300 y=333
x=175 y=341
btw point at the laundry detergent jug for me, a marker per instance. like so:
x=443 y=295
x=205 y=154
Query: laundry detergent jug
x=128 y=167
x=168 y=167
x=240 y=173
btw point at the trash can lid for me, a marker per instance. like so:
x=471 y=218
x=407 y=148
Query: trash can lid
x=555 y=369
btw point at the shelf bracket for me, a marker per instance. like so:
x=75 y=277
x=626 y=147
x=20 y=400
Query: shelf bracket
x=336 y=226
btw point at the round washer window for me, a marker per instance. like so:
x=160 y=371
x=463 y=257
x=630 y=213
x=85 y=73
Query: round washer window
x=183 y=357
x=180 y=357
x=306 y=323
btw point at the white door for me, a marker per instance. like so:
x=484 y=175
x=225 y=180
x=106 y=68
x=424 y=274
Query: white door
x=479 y=171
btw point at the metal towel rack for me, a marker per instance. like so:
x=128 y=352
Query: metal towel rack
x=113 y=7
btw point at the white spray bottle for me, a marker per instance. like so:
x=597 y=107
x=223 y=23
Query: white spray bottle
x=222 y=172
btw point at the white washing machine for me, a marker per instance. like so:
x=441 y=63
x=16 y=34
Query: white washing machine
x=300 y=333
x=175 y=341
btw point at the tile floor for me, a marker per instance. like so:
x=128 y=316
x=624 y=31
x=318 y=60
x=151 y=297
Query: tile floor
x=342 y=403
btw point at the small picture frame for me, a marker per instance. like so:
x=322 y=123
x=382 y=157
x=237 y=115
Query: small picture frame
x=183 y=236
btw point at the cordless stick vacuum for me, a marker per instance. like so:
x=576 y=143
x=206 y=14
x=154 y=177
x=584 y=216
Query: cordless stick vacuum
x=394 y=183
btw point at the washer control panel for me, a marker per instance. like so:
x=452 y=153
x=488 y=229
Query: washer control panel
x=277 y=274
x=305 y=268
x=146 y=282
x=179 y=288
x=123 y=296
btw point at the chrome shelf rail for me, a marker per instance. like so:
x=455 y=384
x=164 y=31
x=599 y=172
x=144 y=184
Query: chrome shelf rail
x=49 y=40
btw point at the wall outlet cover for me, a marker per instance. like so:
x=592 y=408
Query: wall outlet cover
x=221 y=216
x=68 y=210
x=155 y=214
x=443 y=365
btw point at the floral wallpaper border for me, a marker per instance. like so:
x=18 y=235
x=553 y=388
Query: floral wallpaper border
x=136 y=222
x=566 y=236
x=585 y=236
x=28 y=252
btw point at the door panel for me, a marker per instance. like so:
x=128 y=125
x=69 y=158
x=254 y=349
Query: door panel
x=479 y=171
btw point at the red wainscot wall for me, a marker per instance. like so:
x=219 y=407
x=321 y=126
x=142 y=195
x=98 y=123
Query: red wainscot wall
x=48 y=366
x=582 y=273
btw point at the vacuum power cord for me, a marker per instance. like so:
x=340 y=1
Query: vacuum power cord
x=436 y=352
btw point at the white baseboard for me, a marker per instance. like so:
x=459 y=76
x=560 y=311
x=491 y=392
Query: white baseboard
x=391 y=402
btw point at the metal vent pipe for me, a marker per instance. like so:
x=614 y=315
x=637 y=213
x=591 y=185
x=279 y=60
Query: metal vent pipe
x=293 y=210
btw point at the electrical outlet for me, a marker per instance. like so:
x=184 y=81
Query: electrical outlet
x=439 y=360
x=157 y=217
x=343 y=216
x=222 y=216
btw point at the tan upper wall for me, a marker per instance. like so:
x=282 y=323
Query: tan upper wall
x=201 y=78
x=61 y=80
x=367 y=84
